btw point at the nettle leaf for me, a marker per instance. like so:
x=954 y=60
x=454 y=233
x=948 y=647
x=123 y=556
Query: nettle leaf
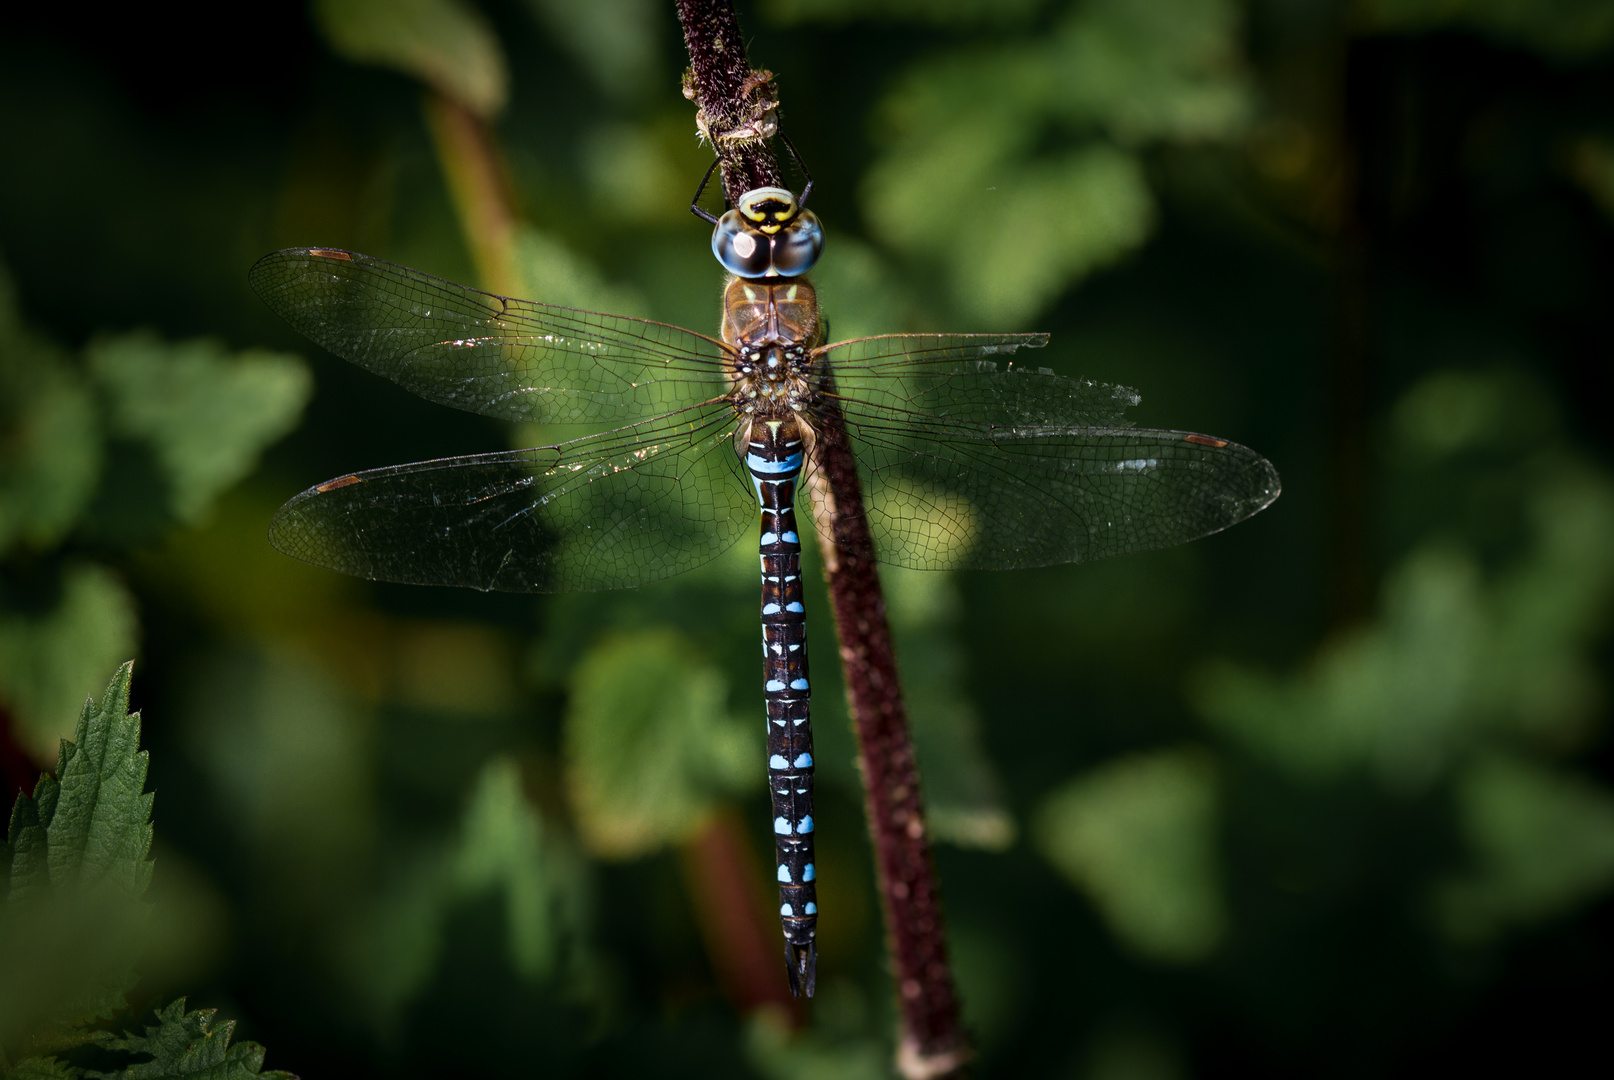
x=188 y=1045
x=44 y=1068
x=650 y=747
x=76 y=855
x=101 y=827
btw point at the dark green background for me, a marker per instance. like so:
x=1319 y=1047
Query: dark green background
x=1326 y=794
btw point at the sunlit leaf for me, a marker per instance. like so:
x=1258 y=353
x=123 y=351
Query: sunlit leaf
x=1139 y=836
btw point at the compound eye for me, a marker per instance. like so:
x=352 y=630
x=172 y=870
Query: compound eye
x=798 y=245
x=739 y=247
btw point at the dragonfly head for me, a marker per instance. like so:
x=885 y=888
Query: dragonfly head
x=769 y=234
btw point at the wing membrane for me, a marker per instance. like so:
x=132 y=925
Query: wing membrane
x=488 y=354
x=614 y=510
x=968 y=464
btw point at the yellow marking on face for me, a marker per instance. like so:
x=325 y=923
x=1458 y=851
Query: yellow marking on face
x=750 y=294
x=790 y=293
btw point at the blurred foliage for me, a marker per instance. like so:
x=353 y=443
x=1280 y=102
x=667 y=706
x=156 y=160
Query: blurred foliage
x=1327 y=795
x=1139 y=835
x=446 y=44
x=108 y=451
x=73 y=922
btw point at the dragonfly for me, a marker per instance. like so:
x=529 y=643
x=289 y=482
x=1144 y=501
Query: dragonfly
x=969 y=461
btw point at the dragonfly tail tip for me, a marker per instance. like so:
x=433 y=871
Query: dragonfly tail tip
x=801 y=964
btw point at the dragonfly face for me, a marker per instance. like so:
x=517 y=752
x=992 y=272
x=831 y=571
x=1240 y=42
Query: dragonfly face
x=768 y=235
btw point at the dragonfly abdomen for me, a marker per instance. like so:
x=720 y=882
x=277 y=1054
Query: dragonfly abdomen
x=774 y=453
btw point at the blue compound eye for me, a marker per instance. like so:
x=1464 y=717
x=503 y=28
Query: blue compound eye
x=740 y=247
x=798 y=245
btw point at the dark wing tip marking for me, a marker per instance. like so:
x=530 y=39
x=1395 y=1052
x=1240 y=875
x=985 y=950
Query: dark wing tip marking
x=1205 y=440
x=330 y=253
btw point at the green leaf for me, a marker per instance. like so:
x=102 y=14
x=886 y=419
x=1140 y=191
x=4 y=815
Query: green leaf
x=444 y=43
x=649 y=745
x=965 y=180
x=1455 y=657
x=71 y=925
x=44 y=1068
x=101 y=830
x=52 y=659
x=1139 y=836
x=50 y=441
x=1543 y=843
x=502 y=847
x=204 y=414
x=188 y=1046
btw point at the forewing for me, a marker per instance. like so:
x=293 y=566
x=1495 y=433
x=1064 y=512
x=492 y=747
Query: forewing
x=969 y=464
x=610 y=511
x=488 y=354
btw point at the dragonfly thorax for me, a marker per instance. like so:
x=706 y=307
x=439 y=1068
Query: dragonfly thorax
x=772 y=328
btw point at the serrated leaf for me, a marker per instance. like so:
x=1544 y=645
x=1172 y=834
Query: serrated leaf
x=44 y=1068
x=101 y=831
x=51 y=661
x=70 y=926
x=205 y=413
x=649 y=744
x=188 y=1046
x=444 y=43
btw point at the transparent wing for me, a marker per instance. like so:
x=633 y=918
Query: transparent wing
x=968 y=464
x=609 y=511
x=512 y=359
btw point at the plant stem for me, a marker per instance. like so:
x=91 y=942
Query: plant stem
x=931 y=1042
